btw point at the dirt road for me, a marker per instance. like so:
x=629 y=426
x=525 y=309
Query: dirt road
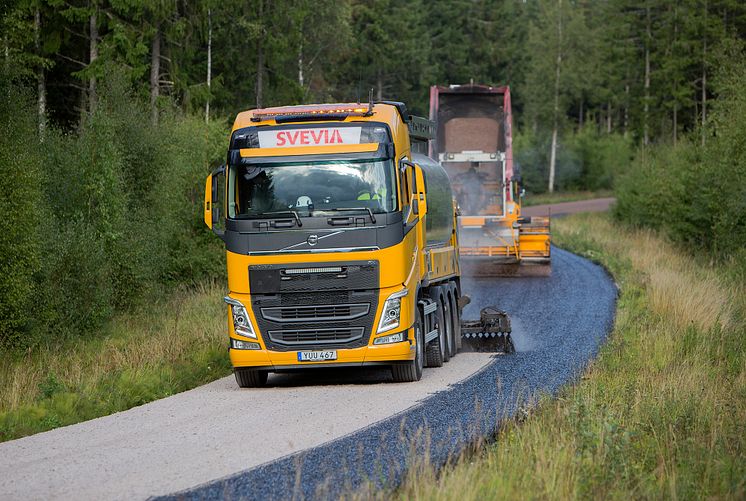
x=564 y=208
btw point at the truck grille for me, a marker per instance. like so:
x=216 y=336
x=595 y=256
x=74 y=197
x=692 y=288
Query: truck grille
x=320 y=313
x=316 y=336
x=311 y=308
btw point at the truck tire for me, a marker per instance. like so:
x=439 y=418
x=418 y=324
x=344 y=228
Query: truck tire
x=454 y=320
x=436 y=348
x=248 y=378
x=412 y=371
x=448 y=325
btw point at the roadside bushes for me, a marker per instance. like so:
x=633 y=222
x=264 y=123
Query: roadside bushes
x=98 y=220
x=21 y=209
x=697 y=194
x=586 y=160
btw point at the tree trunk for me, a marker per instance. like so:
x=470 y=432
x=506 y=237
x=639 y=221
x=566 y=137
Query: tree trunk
x=260 y=60
x=626 y=108
x=646 y=137
x=93 y=55
x=155 y=74
x=553 y=154
x=41 y=85
x=608 y=118
x=300 y=65
x=704 y=77
x=209 y=64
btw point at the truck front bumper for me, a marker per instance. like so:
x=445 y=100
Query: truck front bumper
x=384 y=354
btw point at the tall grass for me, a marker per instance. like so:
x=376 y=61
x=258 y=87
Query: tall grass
x=661 y=413
x=170 y=346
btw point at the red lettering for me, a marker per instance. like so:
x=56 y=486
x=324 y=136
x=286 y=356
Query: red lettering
x=336 y=137
x=326 y=136
x=317 y=139
x=304 y=137
x=293 y=138
x=280 y=139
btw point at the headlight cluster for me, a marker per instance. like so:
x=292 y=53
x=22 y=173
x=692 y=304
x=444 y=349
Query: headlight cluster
x=391 y=312
x=241 y=322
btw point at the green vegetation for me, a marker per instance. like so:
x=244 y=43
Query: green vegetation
x=136 y=358
x=590 y=80
x=695 y=191
x=659 y=414
x=102 y=220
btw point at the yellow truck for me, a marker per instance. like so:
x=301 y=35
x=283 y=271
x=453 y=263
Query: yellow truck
x=341 y=242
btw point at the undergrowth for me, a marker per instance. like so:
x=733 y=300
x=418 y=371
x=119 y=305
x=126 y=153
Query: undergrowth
x=168 y=347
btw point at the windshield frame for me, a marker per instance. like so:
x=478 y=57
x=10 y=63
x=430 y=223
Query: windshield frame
x=347 y=208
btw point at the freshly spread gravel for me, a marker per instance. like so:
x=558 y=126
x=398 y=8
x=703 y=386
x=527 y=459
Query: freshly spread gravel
x=559 y=323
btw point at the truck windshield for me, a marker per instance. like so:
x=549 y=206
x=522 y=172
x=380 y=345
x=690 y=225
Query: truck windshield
x=311 y=187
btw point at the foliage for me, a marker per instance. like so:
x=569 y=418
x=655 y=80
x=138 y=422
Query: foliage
x=22 y=203
x=101 y=219
x=697 y=193
x=586 y=160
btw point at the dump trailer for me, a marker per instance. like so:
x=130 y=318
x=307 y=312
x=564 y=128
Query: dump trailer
x=474 y=144
x=341 y=241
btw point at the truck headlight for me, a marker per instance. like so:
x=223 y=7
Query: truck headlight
x=391 y=311
x=241 y=322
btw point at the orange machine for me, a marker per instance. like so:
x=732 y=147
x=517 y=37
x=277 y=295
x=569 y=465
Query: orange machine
x=474 y=144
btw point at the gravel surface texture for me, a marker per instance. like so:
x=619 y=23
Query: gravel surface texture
x=559 y=323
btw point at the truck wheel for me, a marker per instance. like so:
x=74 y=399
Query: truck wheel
x=248 y=378
x=455 y=322
x=436 y=348
x=447 y=326
x=412 y=371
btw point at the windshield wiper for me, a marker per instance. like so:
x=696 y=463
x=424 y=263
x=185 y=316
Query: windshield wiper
x=277 y=213
x=345 y=209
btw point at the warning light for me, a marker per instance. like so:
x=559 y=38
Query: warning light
x=311 y=110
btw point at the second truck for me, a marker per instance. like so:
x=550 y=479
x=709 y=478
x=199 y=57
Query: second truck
x=342 y=244
x=474 y=142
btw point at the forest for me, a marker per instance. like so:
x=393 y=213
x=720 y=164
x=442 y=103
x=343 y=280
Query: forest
x=115 y=110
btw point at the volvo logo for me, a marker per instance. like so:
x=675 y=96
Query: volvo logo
x=312 y=240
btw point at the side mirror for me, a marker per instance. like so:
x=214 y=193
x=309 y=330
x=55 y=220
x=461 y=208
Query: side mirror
x=408 y=178
x=214 y=201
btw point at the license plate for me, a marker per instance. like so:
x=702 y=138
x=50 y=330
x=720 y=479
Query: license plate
x=317 y=356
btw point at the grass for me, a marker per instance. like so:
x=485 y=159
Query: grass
x=564 y=196
x=169 y=347
x=661 y=413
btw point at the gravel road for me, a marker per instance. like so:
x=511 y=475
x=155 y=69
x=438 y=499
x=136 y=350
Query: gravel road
x=315 y=435
x=564 y=208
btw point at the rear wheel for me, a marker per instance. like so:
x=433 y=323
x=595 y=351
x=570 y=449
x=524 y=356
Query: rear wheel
x=249 y=378
x=412 y=370
x=449 y=350
x=455 y=322
x=436 y=349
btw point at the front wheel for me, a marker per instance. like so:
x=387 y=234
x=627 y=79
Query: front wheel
x=412 y=370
